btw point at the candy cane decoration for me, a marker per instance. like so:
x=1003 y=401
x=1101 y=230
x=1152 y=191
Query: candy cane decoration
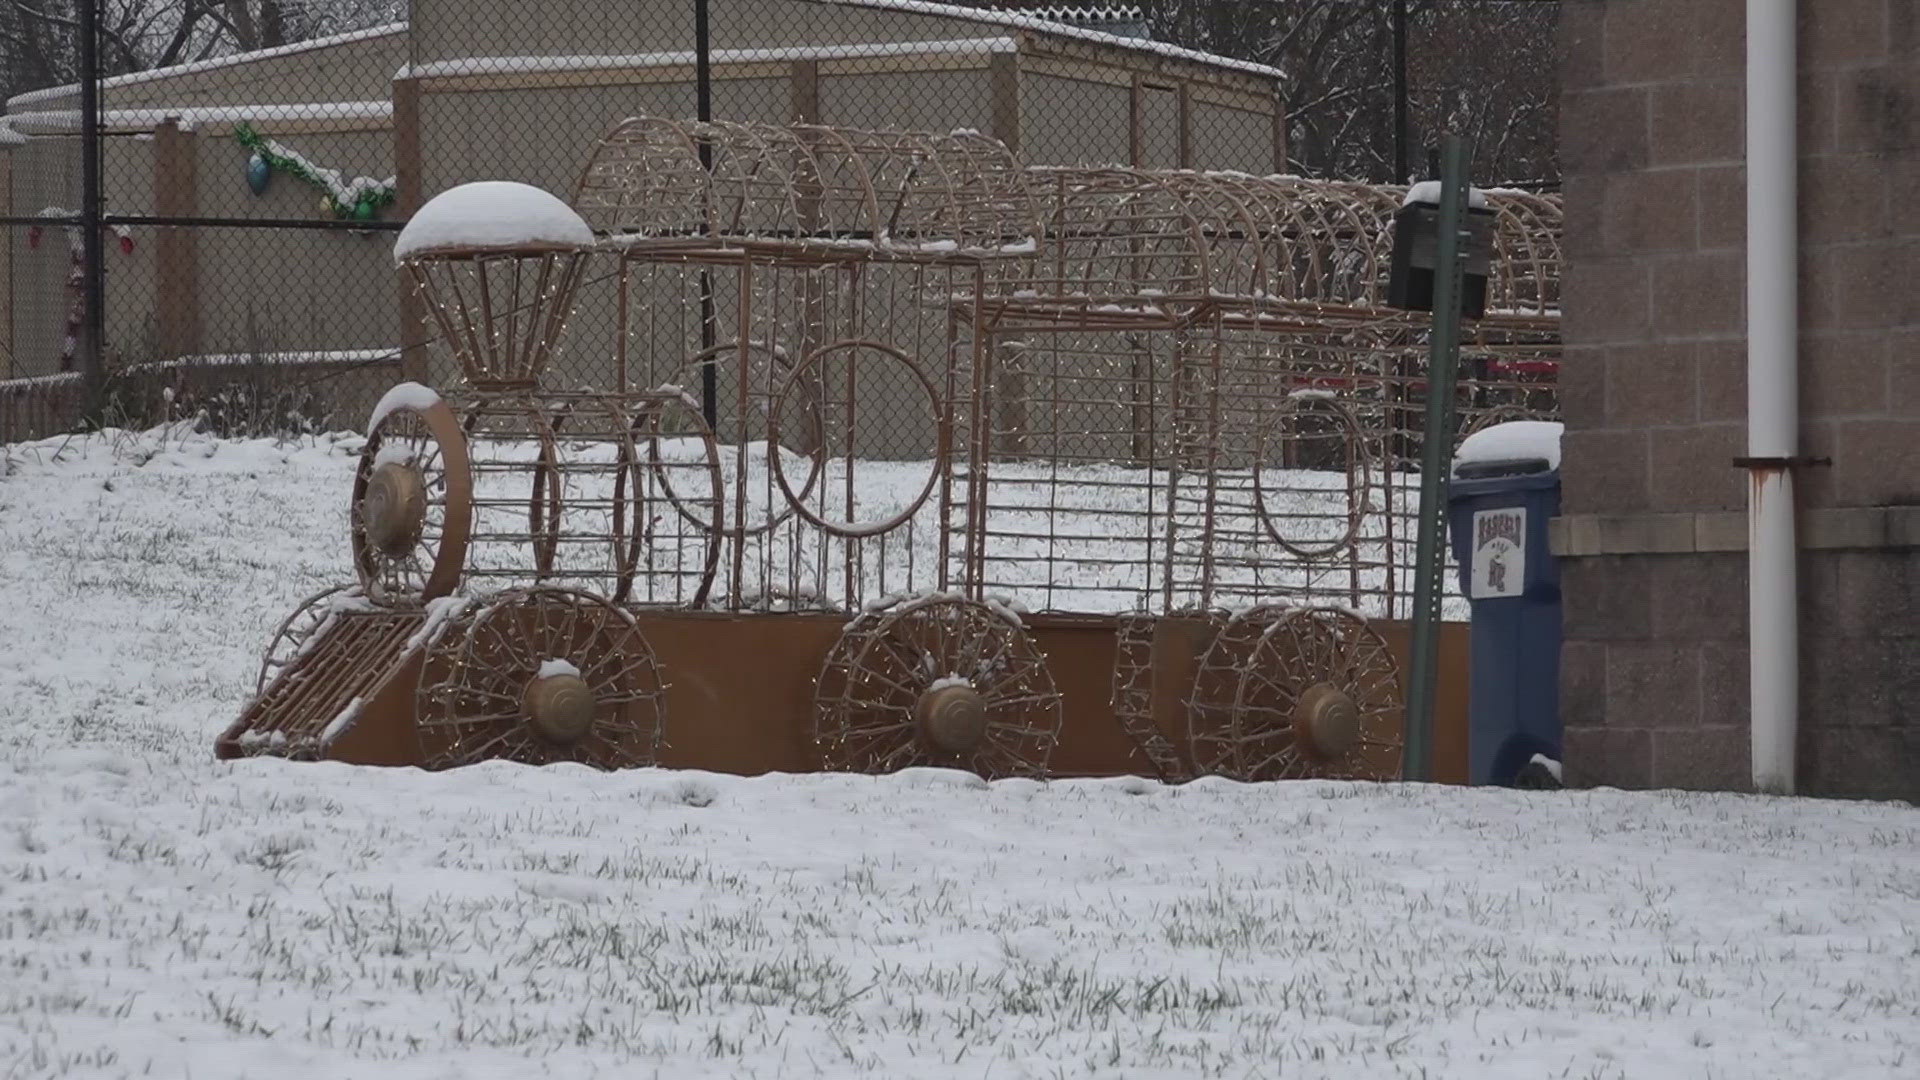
x=76 y=274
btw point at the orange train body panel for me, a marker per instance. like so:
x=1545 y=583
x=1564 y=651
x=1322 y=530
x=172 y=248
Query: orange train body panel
x=347 y=695
x=739 y=692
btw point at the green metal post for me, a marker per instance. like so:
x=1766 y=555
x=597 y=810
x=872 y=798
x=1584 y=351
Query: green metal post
x=1436 y=458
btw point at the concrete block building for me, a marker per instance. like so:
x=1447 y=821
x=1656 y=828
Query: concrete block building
x=1658 y=661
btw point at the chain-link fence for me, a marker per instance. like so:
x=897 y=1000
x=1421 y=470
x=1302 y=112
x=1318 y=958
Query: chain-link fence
x=1017 y=275
x=256 y=158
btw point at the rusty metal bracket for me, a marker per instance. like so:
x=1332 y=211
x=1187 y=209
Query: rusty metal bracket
x=1799 y=461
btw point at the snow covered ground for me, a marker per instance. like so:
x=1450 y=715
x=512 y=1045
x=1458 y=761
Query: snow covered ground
x=165 y=914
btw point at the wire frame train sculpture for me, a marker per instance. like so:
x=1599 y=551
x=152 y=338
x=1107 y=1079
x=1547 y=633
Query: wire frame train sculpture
x=941 y=394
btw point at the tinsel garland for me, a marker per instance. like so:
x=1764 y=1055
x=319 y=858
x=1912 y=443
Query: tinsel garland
x=359 y=199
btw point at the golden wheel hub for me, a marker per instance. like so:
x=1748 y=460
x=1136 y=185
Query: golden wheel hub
x=560 y=707
x=395 y=508
x=1326 y=721
x=952 y=719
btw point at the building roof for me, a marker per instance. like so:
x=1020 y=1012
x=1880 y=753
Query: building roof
x=486 y=65
x=1078 y=12
x=71 y=121
x=1026 y=19
x=51 y=93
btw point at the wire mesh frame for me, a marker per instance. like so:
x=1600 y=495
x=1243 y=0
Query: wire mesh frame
x=1136 y=246
x=501 y=312
x=1269 y=290
x=309 y=622
x=831 y=241
x=870 y=703
x=326 y=661
x=1115 y=472
x=816 y=363
x=875 y=194
x=474 y=700
x=1251 y=716
x=618 y=494
x=422 y=558
x=1230 y=466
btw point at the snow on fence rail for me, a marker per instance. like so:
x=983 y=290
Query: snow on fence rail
x=319 y=386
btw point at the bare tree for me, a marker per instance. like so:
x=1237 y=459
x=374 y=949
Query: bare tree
x=1483 y=68
x=1488 y=71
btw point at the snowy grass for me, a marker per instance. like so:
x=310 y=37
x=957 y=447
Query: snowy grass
x=165 y=914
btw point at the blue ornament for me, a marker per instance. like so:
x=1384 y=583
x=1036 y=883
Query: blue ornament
x=258 y=173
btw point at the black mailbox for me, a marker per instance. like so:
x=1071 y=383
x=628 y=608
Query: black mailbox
x=1416 y=253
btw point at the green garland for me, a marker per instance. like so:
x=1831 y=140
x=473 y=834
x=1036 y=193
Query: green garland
x=360 y=199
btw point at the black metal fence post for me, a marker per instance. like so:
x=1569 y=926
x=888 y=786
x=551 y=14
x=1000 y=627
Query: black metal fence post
x=703 y=109
x=91 y=344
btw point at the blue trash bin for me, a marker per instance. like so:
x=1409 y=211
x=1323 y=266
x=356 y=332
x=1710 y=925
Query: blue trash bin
x=1498 y=511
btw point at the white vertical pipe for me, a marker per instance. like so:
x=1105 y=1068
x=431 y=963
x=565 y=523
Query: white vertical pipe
x=1773 y=407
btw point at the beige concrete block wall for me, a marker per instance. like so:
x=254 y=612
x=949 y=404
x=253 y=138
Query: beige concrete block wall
x=39 y=297
x=1655 y=668
x=45 y=174
x=126 y=168
x=245 y=277
x=1085 y=121
x=286 y=290
x=1072 y=121
x=766 y=101
x=1236 y=139
x=1160 y=127
x=912 y=101
x=357 y=70
x=537 y=136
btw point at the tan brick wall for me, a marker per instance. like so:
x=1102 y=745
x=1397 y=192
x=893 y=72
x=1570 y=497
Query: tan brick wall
x=1654 y=672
